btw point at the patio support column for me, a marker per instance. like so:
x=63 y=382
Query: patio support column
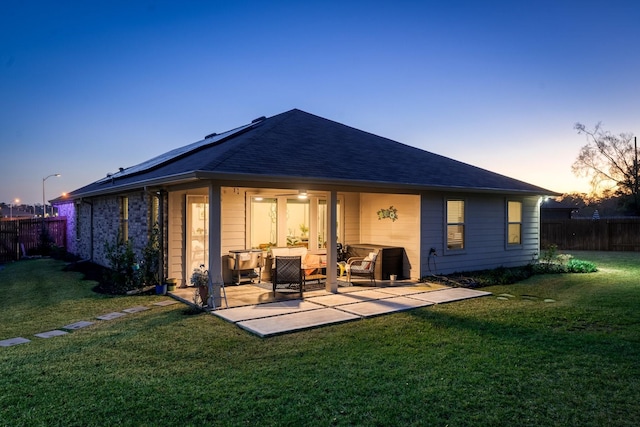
x=215 y=245
x=332 y=253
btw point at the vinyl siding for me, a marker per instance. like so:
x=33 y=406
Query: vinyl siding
x=176 y=236
x=485 y=234
x=233 y=220
x=351 y=218
x=404 y=232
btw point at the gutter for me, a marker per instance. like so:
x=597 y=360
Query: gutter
x=169 y=179
x=314 y=183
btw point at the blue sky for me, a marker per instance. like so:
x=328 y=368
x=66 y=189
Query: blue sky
x=90 y=86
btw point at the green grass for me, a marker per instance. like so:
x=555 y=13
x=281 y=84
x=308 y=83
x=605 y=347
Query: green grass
x=487 y=361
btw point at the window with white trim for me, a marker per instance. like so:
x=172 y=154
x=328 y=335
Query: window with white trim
x=514 y=222
x=124 y=219
x=455 y=224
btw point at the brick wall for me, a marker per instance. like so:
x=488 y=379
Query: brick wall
x=67 y=210
x=106 y=225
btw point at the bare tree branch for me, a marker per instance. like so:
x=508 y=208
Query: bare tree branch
x=608 y=158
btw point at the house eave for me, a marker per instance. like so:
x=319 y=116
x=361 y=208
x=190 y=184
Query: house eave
x=288 y=181
x=314 y=183
x=133 y=186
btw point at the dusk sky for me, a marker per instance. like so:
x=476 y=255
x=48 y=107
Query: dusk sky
x=87 y=87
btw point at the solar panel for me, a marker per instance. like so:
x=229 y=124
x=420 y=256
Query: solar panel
x=170 y=155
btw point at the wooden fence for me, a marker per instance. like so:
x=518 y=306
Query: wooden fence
x=18 y=233
x=606 y=234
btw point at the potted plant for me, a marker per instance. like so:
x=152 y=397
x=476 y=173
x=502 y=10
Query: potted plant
x=200 y=280
x=171 y=284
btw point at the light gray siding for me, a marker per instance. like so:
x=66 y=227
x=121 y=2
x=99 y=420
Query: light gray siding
x=485 y=234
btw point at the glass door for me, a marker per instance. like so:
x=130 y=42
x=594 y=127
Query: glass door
x=197 y=232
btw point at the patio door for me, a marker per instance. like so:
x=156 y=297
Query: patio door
x=197 y=233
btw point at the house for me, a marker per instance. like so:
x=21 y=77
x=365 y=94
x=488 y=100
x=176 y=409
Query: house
x=299 y=178
x=552 y=209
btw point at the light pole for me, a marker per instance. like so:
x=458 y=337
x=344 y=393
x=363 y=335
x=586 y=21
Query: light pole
x=44 y=207
x=11 y=208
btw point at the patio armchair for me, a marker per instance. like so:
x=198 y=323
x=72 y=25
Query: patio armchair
x=288 y=271
x=362 y=266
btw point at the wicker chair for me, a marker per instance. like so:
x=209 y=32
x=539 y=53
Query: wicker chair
x=362 y=266
x=288 y=271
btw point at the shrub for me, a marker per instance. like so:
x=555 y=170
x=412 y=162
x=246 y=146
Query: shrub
x=124 y=274
x=580 y=266
x=151 y=258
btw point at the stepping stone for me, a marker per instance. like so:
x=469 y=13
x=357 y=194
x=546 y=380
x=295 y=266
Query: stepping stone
x=507 y=295
x=50 y=334
x=166 y=302
x=13 y=341
x=549 y=300
x=78 y=325
x=503 y=298
x=135 y=309
x=111 y=316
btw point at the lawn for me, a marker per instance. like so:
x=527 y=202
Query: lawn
x=514 y=360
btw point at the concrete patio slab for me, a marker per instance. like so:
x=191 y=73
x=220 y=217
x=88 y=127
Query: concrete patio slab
x=351 y=303
x=111 y=316
x=77 y=325
x=296 y=321
x=448 y=295
x=136 y=309
x=383 y=306
x=13 y=341
x=408 y=290
x=333 y=300
x=370 y=293
x=165 y=302
x=51 y=334
x=238 y=314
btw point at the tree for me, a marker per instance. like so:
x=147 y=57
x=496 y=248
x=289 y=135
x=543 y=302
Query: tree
x=613 y=159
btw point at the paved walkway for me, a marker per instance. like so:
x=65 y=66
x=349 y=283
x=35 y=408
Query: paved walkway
x=293 y=315
x=63 y=330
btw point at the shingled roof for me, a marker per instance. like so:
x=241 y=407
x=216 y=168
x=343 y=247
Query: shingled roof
x=301 y=147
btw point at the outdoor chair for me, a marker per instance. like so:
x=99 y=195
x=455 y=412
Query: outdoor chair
x=288 y=271
x=362 y=266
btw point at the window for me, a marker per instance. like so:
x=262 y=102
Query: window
x=323 y=229
x=455 y=224
x=155 y=210
x=197 y=249
x=124 y=219
x=280 y=220
x=264 y=221
x=298 y=222
x=514 y=223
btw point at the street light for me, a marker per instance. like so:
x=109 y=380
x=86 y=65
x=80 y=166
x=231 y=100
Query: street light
x=11 y=208
x=44 y=207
